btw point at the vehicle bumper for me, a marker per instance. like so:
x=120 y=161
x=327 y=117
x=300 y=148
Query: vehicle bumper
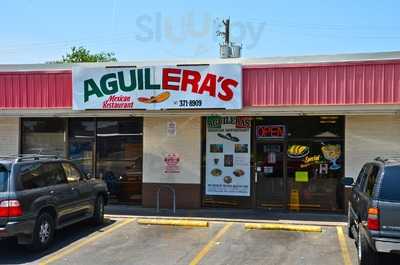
x=15 y=228
x=387 y=245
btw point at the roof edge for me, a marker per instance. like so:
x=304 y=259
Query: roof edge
x=267 y=61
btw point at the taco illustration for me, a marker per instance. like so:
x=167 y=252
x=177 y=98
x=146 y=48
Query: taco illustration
x=155 y=99
x=298 y=151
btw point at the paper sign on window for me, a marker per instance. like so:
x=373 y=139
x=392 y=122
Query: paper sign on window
x=301 y=176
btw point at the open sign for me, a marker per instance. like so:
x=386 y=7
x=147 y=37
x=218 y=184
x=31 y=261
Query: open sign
x=270 y=131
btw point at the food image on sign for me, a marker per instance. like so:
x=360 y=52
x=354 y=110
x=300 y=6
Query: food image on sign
x=238 y=172
x=228 y=179
x=155 y=99
x=298 y=151
x=228 y=137
x=216 y=172
x=332 y=152
x=228 y=160
x=241 y=148
x=216 y=148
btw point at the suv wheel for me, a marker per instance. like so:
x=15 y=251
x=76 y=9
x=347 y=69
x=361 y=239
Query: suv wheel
x=366 y=255
x=43 y=233
x=98 y=216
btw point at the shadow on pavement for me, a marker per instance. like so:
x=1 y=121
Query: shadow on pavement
x=12 y=253
x=224 y=213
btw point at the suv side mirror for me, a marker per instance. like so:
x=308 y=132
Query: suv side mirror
x=347 y=181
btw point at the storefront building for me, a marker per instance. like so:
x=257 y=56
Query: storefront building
x=262 y=133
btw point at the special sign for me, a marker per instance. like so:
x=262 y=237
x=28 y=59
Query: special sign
x=158 y=87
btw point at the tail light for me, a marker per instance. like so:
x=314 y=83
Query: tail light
x=373 y=219
x=10 y=208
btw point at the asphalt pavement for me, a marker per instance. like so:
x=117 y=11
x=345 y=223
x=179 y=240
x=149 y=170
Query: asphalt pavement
x=125 y=241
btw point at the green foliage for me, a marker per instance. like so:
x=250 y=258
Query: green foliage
x=83 y=55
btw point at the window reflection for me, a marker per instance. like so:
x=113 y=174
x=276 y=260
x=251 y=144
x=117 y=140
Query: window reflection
x=119 y=157
x=316 y=173
x=43 y=136
x=81 y=143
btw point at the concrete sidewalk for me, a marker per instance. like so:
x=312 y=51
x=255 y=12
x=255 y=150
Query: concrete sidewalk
x=233 y=215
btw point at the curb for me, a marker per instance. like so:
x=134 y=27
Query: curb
x=173 y=222
x=285 y=227
x=266 y=221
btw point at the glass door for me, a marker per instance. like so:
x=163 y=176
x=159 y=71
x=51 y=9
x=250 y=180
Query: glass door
x=82 y=143
x=269 y=178
x=119 y=157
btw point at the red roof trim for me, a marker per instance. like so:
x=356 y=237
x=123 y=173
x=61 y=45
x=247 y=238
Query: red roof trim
x=322 y=64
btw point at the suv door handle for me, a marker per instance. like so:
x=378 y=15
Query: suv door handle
x=52 y=192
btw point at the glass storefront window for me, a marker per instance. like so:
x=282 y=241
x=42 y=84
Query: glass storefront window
x=106 y=148
x=316 y=126
x=43 y=136
x=314 y=170
x=313 y=163
x=81 y=143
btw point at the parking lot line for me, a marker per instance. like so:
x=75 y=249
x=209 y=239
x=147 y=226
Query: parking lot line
x=343 y=246
x=210 y=244
x=84 y=242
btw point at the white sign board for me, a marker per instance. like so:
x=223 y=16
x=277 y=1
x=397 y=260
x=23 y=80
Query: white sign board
x=171 y=128
x=228 y=156
x=158 y=87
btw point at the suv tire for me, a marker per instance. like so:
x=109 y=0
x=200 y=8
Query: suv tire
x=98 y=215
x=350 y=223
x=366 y=255
x=43 y=233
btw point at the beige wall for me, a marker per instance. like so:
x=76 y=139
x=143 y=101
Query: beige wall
x=157 y=144
x=9 y=136
x=368 y=137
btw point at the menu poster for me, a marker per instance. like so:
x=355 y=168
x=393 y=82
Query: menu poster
x=228 y=156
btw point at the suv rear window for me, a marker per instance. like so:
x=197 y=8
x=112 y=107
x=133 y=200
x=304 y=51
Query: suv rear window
x=3 y=178
x=390 y=187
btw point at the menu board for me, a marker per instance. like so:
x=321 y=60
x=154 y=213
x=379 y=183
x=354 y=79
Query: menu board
x=228 y=156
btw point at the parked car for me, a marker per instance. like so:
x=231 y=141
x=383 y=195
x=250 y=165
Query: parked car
x=40 y=194
x=374 y=210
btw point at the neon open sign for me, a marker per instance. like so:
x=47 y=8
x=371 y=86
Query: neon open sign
x=270 y=131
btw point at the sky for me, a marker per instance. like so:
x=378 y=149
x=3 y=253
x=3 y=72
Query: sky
x=38 y=31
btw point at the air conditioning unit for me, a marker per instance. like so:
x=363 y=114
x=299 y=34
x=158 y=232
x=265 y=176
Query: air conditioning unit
x=224 y=51
x=236 y=50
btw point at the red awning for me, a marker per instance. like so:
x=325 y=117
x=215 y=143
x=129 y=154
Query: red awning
x=35 y=90
x=331 y=84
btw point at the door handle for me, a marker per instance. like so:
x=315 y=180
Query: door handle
x=52 y=192
x=72 y=188
x=256 y=178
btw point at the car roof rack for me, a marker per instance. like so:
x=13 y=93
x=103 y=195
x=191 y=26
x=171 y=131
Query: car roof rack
x=23 y=157
x=388 y=158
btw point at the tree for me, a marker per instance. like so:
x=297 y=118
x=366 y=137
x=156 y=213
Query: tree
x=83 y=55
